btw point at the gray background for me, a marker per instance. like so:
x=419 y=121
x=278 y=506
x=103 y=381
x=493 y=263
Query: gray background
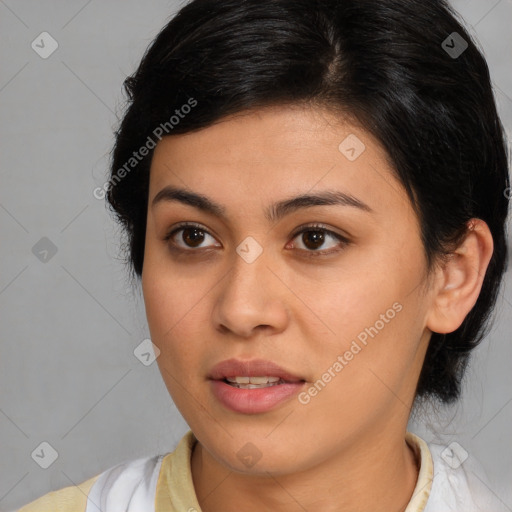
x=68 y=375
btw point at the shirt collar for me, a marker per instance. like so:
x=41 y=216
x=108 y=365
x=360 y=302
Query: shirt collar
x=175 y=488
x=421 y=492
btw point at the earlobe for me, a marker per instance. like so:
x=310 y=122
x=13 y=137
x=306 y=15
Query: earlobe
x=460 y=278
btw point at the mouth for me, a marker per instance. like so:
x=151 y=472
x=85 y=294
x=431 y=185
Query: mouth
x=254 y=372
x=254 y=386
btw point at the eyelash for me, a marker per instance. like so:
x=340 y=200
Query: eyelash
x=300 y=230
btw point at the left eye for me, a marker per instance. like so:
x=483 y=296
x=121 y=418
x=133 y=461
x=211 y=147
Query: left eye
x=315 y=238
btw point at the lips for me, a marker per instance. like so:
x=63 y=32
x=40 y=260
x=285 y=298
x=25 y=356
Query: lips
x=254 y=368
x=230 y=387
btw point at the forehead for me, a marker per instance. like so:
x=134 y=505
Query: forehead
x=273 y=153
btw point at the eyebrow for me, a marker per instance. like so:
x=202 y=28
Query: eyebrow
x=274 y=213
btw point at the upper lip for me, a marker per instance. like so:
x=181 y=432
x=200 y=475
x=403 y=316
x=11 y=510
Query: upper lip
x=251 y=368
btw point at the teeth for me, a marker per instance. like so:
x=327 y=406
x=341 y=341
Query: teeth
x=253 y=380
x=238 y=380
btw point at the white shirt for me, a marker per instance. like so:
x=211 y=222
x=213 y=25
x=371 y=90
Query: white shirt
x=163 y=483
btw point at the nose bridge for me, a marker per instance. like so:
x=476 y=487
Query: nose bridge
x=248 y=279
x=249 y=296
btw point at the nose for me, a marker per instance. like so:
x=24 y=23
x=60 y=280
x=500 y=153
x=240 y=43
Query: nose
x=250 y=299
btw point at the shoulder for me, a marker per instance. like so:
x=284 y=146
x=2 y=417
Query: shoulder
x=119 y=486
x=160 y=482
x=130 y=486
x=460 y=483
x=69 y=499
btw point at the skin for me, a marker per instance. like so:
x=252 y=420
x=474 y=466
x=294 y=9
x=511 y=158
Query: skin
x=345 y=447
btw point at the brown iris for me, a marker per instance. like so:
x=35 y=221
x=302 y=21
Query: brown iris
x=193 y=236
x=313 y=239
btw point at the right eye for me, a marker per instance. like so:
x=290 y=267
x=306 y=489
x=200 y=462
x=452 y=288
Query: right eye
x=188 y=237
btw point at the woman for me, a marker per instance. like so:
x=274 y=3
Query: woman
x=314 y=198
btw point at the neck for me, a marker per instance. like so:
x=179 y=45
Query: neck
x=377 y=472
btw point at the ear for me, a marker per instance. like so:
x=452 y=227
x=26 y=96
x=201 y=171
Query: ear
x=459 y=280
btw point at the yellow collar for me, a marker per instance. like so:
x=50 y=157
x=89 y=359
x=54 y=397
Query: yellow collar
x=425 y=476
x=175 y=488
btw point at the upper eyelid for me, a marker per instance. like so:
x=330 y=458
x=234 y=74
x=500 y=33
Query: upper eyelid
x=319 y=227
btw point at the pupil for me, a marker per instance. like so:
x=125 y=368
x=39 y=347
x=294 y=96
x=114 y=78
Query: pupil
x=313 y=239
x=193 y=236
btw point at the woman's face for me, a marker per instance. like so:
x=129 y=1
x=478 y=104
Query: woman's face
x=303 y=263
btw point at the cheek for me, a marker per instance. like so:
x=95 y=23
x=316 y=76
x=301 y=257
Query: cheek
x=173 y=320
x=347 y=301
x=173 y=315
x=375 y=325
x=170 y=296
x=375 y=361
x=171 y=311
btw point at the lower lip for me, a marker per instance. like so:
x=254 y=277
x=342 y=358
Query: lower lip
x=254 y=401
